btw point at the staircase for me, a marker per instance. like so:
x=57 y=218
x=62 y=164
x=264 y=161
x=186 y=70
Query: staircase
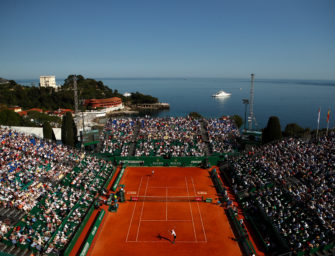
x=132 y=146
x=204 y=137
x=11 y=215
x=11 y=250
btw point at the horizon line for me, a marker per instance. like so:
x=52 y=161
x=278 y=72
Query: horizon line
x=178 y=77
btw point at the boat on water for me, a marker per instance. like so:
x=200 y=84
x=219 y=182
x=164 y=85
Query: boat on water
x=221 y=94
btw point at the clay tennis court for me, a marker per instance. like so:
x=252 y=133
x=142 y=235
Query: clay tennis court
x=142 y=227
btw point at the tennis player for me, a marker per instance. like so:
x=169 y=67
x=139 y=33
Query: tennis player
x=173 y=233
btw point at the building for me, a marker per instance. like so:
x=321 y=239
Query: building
x=16 y=109
x=114 y=102
x=36 y=131
x=62 y=111
x=48 y=81
x=35 y=109
x=25 y=112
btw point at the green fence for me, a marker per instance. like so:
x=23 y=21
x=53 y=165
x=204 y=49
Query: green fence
x=258 y=233
x=217 y=182
x=92 y=234
x=241 y=233
x=110 y=178
x=91 y=143
x=161 y=161
x=119 y=177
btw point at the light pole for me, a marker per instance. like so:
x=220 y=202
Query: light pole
x=245 y=102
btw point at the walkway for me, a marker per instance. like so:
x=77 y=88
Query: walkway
x=132 y=147
x=204 y=137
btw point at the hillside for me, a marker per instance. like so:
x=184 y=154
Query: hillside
x=13 y=94
x=3 y=81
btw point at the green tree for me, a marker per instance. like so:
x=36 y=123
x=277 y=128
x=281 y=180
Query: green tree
x=195 y=115
x=293 y=129
x=238 y=120
x=69 y=80
x=68 y=129
x=48 y=133
x=272 y=131
x=3 y=106
x=40 y=118
x=12 y=82
x=13 y=94
x=139 y=98
x=9 y=117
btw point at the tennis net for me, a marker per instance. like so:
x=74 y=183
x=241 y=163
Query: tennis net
x=166 y=198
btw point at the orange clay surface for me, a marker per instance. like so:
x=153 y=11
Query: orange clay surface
x=142 y=228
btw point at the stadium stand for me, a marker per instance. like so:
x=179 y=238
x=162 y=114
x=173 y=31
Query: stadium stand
x=172 y=136
x=119 y=133
x=46 y=190
x=290 y=184
x=285 y=189
x=169 y=136
x=222 y=134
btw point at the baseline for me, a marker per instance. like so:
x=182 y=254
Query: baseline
x=177 y=242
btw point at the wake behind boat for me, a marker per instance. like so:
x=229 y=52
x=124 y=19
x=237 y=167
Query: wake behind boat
x=221 y=94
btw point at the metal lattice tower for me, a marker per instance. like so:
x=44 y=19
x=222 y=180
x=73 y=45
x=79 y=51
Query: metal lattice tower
x=251 y=103
x=75 y=88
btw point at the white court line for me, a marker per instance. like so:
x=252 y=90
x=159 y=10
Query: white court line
x=132 y=216
x=139 y=223
x=177 y=242
x=167 y=187
x=167 y=220
x=202 y=223
x=195 y=234
x=162 y=197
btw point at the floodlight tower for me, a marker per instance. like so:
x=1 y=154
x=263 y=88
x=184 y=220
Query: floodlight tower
x=251 y=103
x=245 y=102
x=75 y=88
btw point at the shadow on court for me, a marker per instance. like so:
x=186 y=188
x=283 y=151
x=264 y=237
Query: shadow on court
x=160 y=237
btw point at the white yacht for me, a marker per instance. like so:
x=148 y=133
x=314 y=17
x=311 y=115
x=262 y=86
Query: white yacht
x=221 y=94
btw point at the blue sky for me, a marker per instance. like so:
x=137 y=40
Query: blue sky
x=170 y=38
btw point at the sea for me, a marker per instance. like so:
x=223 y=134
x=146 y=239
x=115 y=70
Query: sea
x=292 y=101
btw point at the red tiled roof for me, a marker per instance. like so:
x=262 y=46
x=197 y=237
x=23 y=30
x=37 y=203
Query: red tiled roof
x=35 y=109
x=22 y=113
x=110 y=102
x=62 y=111
x=114 y=99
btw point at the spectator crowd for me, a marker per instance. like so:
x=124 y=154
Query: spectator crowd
x=119 y=135
x=292 y=181
x=53 y=185
x=293 y=184
x=169 y=136
x=173 y=136
x=222 y=134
